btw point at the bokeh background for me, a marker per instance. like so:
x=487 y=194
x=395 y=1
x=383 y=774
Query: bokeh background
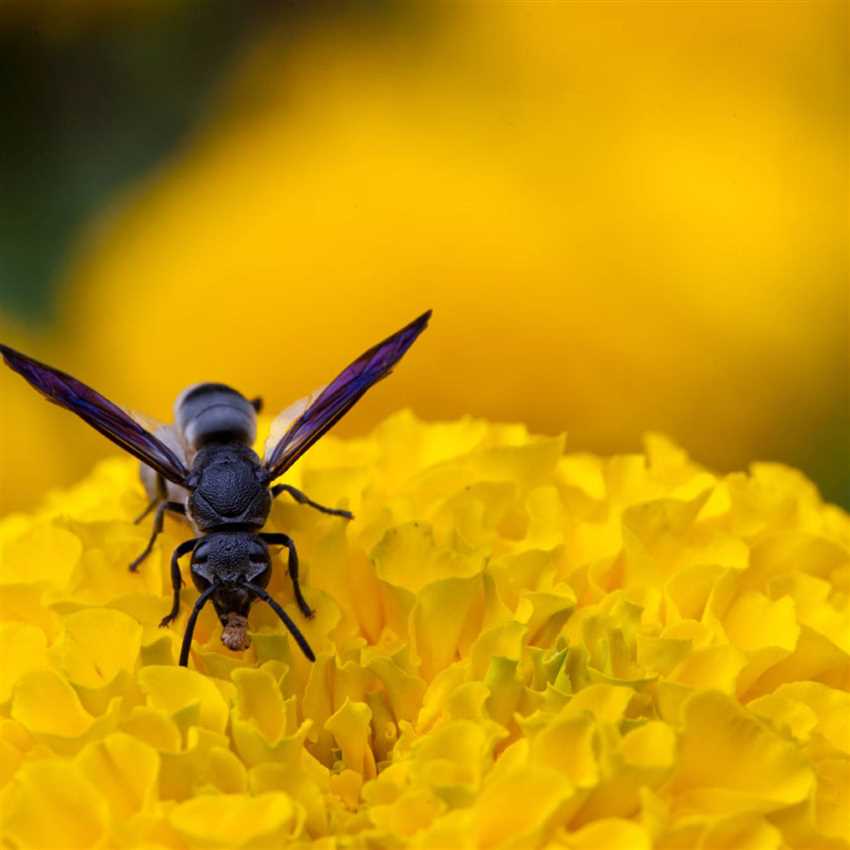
x=626 y=216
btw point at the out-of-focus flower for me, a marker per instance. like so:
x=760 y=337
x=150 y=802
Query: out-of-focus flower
x=36 y=447
x=623 y=216
x=516 y=648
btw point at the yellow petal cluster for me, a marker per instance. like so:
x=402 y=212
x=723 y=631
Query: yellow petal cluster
x=517 y=648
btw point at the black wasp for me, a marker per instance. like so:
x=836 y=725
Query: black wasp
x=203 y=467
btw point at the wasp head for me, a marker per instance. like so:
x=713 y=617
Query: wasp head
x=233 y=569
x=232 y=566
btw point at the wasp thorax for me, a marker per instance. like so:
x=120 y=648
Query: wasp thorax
x=228 y=488
x=215 y=413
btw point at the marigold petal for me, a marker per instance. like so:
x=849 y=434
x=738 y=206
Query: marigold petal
x=661 y=654
x=727 y=758
x=651 y=745
x=608 y=703
x=608 y=833
x=194 y=769
x=832 y=797
x=755 y=622
x=439 y=621
x=504 y=641
x=98 y=643
x=408 y=556
x=452 y=759
x=226 y=772
x=50 y=804
x=45 y=553
x=45 y=703
x=411 y=812
x=786 y=715
x=476 y=513
x=10 y=760
x=506 y=690
x=98 y=582
x=742 y=832
x=304 y=779
x=124 y=770
x=516 y=810
x=455 y=829
x=25 y=603
x=715 y=667
x=175 y=688
x=528 y=464
x=529 y=569
x=347 y=785
x=830 y=707
x=549 y=612
x=404 y=691
x=260 y=702
x=570 y=745
x=27 y=652
x=815 y=658
x=351 y=727
x=236 y=820
x=155 y=727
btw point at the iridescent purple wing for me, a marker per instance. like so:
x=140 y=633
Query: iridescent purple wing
x=312 y=417
x=102 y=414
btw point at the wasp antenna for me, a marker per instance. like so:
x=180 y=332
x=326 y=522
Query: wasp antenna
x=190 y=625
x=287 y=620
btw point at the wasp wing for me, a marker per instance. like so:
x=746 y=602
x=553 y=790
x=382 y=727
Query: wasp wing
x=284 y=420
x=169 y=435
x=307 y=420
x=103 y=415
x=172 y=439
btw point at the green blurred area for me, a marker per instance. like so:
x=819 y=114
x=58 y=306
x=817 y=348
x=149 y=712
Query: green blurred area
x=89 y=112
x=97 y=99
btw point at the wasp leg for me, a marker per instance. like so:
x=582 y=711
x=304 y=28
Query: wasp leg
x=176 y=582
x=158 y=520
x=285 y=540
x=151 y=505
x=161 y=496
x=257 y=404
x=293 y=629
x=190 y=624
x=303 y=499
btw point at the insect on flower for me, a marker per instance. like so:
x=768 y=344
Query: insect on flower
x=203 y=467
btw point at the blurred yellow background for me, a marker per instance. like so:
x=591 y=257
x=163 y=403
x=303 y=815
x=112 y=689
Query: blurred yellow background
x=626 y=217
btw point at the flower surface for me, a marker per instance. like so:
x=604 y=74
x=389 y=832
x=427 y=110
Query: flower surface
x=516 y=648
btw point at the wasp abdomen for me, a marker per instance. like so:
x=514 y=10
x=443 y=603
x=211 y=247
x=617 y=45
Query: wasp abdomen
x=215 y=413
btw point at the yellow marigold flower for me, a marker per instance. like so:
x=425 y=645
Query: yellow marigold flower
x=516 y=648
